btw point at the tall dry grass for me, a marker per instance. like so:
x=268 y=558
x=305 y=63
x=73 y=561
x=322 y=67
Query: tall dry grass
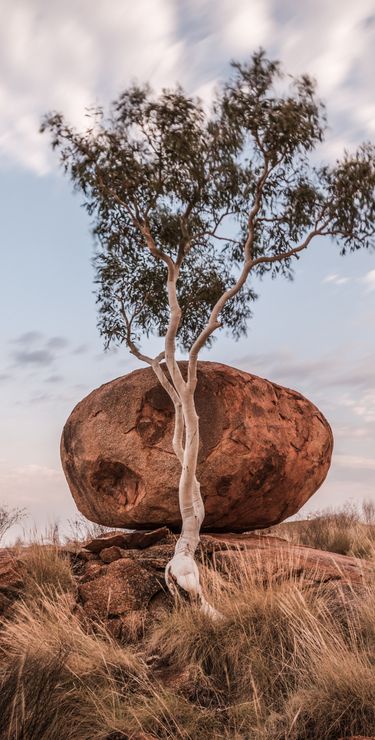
x=347 y=531
x=285 y=662
x=280 y=653
x=59 y=680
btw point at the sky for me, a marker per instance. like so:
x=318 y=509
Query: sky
x=315 y=335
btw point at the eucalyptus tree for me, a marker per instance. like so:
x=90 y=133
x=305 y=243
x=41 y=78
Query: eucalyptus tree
x=187 y=204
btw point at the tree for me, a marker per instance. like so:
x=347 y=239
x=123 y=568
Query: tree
x=186 y=204
x=9 y=517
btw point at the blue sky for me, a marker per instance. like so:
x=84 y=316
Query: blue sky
x=315 y=335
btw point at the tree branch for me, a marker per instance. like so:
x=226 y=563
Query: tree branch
x=142 y=227
x=175 y=310
x=248 y=247
x=174 y=323
x=168 y=387
x=214 y=323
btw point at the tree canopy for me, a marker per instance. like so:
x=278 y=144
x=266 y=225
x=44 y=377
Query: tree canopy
x=164 y=178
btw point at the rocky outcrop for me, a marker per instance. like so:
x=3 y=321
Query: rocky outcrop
x=124 y=587
x=264 y=451
x=126 y=592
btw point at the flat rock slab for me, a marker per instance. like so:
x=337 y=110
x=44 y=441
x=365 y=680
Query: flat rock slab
x=127 y=540
x=123 y=591
x=264 y=450
x=275 y=558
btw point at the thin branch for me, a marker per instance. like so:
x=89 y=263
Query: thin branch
x=154 y=362
x=173 y=325
x=220 y=238
x=142 y=227
x=263 y=219
x=185 y=245
x=175 y=310
x=155 y=251
x=217 y=224
x=129 y=340
x=285 y=255
x=213 y=322
x=256 y=208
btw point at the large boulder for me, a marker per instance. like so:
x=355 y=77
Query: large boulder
x=264 y=450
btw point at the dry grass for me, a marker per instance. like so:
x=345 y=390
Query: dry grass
x=47 y=570
x=58 y=680
x=348 y=531
x=82 y=529
x=285 y=663
x=279 y=653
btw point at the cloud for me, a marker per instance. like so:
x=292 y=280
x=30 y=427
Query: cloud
x=38 y=357
x=355 y=378
x=29 y=337
x=244 y=25
x=369 y=280
x=365 y=407
x=54 y=379
x=66 y=56
x=57 y=343
x=282 y=366
x=41 y=489
x=336 y=279
x=337 y=491
x=69 y=55
x=334 y=42
x=37 y=350
x=324 y=372
x=354 y=462
x=81 y=349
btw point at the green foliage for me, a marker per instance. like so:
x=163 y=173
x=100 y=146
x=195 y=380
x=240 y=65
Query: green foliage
x=201 y=184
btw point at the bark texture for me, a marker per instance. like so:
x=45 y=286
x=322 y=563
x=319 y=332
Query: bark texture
x=263 y=451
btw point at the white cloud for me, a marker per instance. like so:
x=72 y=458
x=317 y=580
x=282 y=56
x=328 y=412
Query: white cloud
x=365 y=407
x=354 y=462
x=336 y=493
x=20 y=474
x=244 y=25
x=69 y=55
x=334 y=42
x=369 y=280
x=336 y=279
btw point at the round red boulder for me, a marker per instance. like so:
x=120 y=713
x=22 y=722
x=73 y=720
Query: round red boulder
x=264 y=450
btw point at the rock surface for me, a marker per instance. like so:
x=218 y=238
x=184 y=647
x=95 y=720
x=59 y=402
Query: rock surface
x=127 y=591
x=264 y=451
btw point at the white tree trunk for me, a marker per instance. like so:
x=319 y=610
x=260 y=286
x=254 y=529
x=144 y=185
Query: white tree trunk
x=182 y=569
